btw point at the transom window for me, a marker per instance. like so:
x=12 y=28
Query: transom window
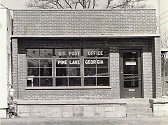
x=67 y=67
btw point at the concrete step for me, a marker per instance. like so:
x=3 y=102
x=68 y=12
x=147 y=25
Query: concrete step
x=139 y=111
x=138 y=108
x=137 y=101
x=140 y=115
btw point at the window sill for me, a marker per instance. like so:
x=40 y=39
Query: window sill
x=67 y=88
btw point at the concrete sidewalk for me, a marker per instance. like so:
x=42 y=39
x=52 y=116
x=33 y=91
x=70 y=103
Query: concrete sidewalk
x=85 y=121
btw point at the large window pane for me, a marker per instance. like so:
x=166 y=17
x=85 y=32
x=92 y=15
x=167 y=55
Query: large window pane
x=46 y=53
x=36 y=82
x=32 y=53
x=33 y=72
x=102 y=71
x=29 y=83
x=33 y=82
x=74 y=71
x=90 y=71
x=45 y=71
x=46 y=82
x=89 y=81
x=45 y=62
x=32 y=62
x=103 y=81
x=74 y=81
x=61 y=81
x=61 y=72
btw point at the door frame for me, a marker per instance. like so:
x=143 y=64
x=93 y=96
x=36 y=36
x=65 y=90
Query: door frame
x=140 y=69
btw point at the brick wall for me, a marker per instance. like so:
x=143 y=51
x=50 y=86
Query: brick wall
x=84 y=22
x=15 y=67
x=112 y=44
x=157 y=67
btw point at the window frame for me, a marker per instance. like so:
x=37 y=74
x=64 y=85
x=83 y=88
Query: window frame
x=81 y=67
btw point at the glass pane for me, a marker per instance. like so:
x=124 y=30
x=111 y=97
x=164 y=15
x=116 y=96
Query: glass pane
x=33 y=72
x=89 y=81
x=32 y=62
x=103 y=81
x=74 y=53
x=102 y=62
x=45 y=62
x=61 y=81
x=45 y=81
x=130 y=63
x=35 y=81
x=90 y=52
x=90 y=71
x=61 y=72
x=61 y=53
x=32 y=53
x=29 y=83
x=102 y=53
x=74 y=81
x=45 y=71
x=61 y=63
x=46 y=53
x=74 y=71
x=90 y=62
x=130 y=77
x=102 y=71
x=130 y=67
x=130 y=55
x=74 y=62
x=166 y=84
x=130 y=84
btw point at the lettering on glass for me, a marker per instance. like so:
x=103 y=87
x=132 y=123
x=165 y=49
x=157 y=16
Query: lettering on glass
x=94 y=62
x=95 y=53
x=130 y=63
x=69 y=53
x=68 y=62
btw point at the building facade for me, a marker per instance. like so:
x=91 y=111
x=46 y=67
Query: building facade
x=5 y=61
x=70 y=63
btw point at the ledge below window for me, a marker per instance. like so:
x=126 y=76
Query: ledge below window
x=67 y=88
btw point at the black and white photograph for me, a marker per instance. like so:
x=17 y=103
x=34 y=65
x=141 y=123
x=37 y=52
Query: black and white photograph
x=83 y=62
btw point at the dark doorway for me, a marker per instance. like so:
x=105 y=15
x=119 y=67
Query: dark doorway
x=130 y=74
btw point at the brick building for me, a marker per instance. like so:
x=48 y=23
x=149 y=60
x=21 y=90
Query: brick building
x=84 y=63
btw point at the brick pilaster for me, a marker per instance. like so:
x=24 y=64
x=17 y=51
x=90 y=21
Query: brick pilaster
x=158 y=68
x=15 y=67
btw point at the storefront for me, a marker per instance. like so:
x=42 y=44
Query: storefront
x=84 y=58
x=67 y=67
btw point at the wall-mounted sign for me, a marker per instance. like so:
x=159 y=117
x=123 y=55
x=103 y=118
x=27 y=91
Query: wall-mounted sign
x=130 y=63
x=131 y=90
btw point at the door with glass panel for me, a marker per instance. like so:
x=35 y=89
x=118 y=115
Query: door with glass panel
x=130 y=74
